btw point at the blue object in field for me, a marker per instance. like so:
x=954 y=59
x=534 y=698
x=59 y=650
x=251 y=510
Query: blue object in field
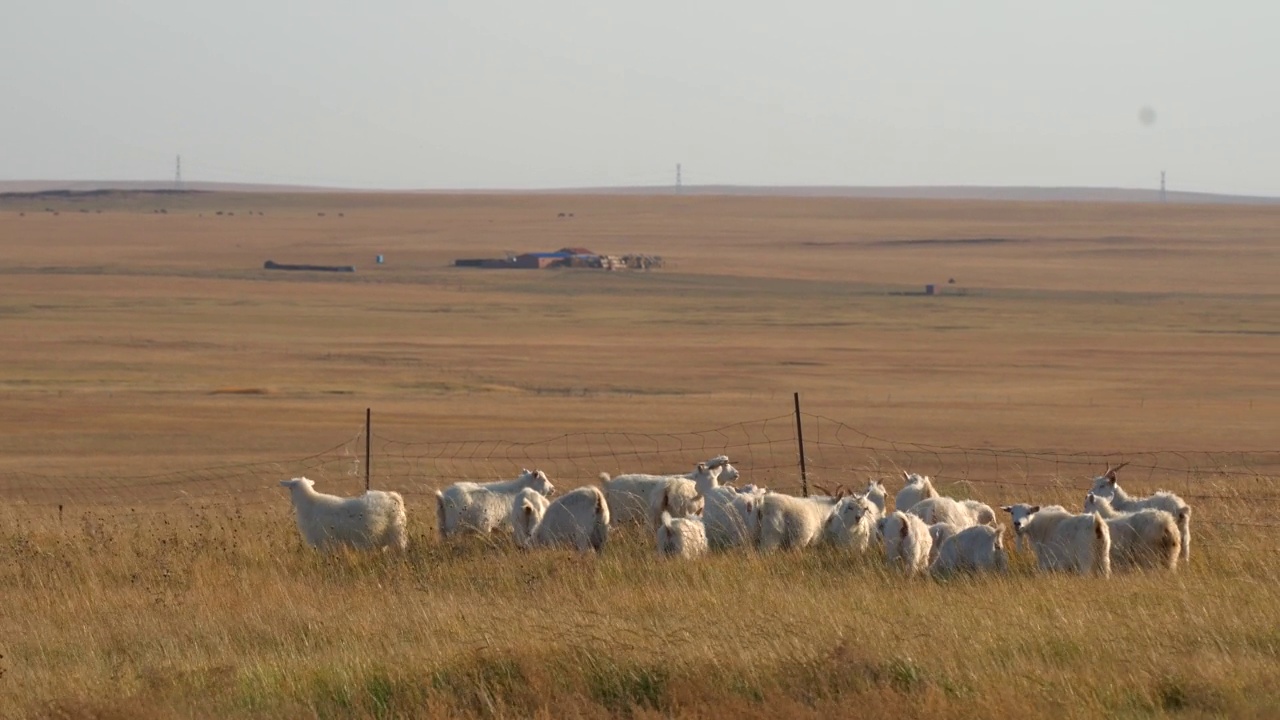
x=928 y=289
x=379 y=259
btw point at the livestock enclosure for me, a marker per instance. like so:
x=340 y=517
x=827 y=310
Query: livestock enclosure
x=158 y=383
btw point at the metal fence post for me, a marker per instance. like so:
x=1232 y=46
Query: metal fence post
x=804 y=474
x=368 y=443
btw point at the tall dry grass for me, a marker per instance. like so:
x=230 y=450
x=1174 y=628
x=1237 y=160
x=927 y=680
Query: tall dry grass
x=223 y=613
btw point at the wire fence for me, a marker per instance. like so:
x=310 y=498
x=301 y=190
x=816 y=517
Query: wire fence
x=1235 y=487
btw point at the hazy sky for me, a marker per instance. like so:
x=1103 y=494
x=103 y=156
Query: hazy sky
x=554 y=93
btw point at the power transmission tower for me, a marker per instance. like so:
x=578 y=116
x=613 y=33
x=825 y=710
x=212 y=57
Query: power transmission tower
x=679 y=187
x=1163 y=197
x=177 y=174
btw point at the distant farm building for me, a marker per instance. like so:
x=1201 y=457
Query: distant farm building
x=272 y=265
x=568 y=257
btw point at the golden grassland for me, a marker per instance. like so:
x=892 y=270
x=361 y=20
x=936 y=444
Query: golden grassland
x=140 y=341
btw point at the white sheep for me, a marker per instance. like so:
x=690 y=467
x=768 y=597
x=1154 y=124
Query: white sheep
x=788 y=522
x=877 y=494
x=629 y=494
x=577 y=519
x=683 y=496
x=1063 y=540
x=1105 y=486
x=681 y=537
x=942 y=509
x=906 y=542
x=1147 y=538
x=979 y=548
x=918 y=488
x=852 y=523
x=938 y=534
x=484 y=507
x=526 y=512
x=373 y=520
x=726 y=516
x=982 y=513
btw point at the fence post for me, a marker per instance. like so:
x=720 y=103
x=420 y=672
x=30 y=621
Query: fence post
x=804 y=474
x=368 y=442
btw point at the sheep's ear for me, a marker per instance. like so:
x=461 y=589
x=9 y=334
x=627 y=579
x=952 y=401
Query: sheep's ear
x=1007 y=508
x=906 y=476
x=1035 y=508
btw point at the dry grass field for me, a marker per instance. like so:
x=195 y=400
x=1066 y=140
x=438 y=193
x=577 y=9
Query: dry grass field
x=156 y=383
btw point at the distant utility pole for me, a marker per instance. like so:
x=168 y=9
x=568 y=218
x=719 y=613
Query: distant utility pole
x=177 y=174
x=678 y=185
x=1163 y=197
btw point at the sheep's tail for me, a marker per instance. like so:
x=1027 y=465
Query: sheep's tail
x=399 y=536
x=1184 y=528
x=1101 y=546
x=440 y=514
x=600 y=530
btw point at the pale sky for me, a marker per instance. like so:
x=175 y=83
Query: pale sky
x=556 y=93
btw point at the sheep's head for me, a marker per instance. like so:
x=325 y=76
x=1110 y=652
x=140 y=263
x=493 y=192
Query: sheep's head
x=1094 y=502
x=855 y=508
x=729 y=473
x=539 y=482
x=1105 y=484
x=875 y=487
x=914 y=479
x=297 y=482
x=1021 y=514
x=717 y=461
x=849 y=512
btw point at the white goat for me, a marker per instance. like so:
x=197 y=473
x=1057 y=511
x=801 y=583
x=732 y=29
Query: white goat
x=852 y=523
x=683 y=496
x=942 y=509
x=877 y=495
x=788 y=522
x=918 y=488
x=906 y=542
x=526 y=512
x=1063 y=540
x=977 y=548
x=1146 y=538
x=577 y=519
x=484 y=507
x=681 y=537
x=373 y=520
x=938 y=533
x=1105 y=486
x=629 y=494
x=982 y=513
x=727 y=514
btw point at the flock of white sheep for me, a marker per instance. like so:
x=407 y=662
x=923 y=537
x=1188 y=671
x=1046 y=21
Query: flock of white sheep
x=702 y=511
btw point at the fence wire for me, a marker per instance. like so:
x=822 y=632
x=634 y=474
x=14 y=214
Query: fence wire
x=1235 y=487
